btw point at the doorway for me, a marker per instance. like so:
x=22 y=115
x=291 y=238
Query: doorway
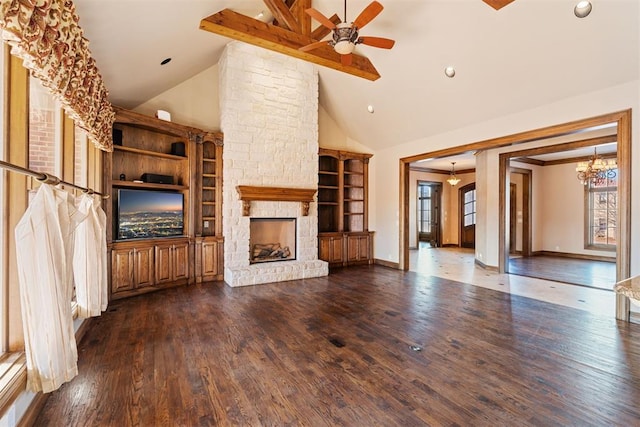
x=429 y=212
x=467 y=216
x=622 y=122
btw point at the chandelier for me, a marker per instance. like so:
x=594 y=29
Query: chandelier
x=453 y=179
x=597 y=170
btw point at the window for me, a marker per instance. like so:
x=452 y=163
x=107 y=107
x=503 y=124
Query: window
x=44 y=130
x=424 y=207
x=80 y=158
x=469 y=208
x=41 y=137
x=601 y=201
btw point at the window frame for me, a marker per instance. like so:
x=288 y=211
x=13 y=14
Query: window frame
x=419 y=205
x=590 y=193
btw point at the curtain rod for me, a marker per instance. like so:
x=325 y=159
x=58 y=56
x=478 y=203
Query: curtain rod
x=46 y=178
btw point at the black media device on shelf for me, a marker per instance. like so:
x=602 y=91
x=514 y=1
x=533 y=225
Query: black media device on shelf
x=155 y=178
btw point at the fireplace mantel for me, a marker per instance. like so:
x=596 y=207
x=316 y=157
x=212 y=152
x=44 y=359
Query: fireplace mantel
x=250 y=193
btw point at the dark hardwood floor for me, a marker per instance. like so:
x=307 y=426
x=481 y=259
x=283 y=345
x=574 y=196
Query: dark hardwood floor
x=582 y=272
x=338 y=351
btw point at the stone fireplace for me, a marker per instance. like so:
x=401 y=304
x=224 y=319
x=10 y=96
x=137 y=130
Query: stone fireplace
x=269 y=116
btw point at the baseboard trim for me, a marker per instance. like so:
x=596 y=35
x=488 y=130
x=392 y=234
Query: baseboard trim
x=82 y=329
x=394 y=265
x=485 y=266
x=575 y=256
x=450 y=245
x=34 y=409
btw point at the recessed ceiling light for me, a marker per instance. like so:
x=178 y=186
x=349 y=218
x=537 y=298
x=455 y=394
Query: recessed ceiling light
x=582 y=9
x=370 y=109
x=165 y=61
x=450 y=71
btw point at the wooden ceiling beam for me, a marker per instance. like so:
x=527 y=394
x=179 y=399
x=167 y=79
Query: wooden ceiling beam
x=322 y=31
x=283 y=15
x=240 y=27
x=298 y=10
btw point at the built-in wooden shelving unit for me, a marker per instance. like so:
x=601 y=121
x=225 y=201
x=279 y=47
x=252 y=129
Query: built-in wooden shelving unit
x=147 y=145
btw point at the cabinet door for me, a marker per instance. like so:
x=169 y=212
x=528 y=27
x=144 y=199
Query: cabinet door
x=358 y=248
x=122 y=267
x=330 y=248
x=143 y=267
x=363 y=247
x=353 y=248
x=209 y=259
x=164 y=263
x=180 y=259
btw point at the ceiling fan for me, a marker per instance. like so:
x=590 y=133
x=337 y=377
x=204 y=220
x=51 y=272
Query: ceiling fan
x=345 y=35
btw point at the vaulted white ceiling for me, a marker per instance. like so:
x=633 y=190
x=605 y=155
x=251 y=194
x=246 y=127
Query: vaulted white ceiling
x=528 y=54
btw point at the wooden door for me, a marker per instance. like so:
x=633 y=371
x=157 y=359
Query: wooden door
x=513 y=218
x=428 y=205
x=468 y=216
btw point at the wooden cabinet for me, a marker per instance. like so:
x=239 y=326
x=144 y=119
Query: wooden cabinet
x=176 y=159
x=171 y=262
x=144 y=266
x=209 y=260
x=132 y=268
x=358 y=247
x=209 y=242
x=210 y=187
x=343 y=234
x=330 y=248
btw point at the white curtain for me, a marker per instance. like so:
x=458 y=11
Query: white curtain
x=90 y=259
x=44 y=244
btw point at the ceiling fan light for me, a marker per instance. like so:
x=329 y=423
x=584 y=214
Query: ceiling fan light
x=344 y=47
x=582 y=9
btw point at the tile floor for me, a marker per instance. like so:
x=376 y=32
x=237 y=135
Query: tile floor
x=458 y=264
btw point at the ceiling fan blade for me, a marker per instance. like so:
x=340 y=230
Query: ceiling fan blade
x=313 y=46
x=346 y=59
x=380 y=42
x=367 y=14
x=320 y=18
x=497 y=4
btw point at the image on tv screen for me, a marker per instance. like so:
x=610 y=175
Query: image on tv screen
x=144 y=214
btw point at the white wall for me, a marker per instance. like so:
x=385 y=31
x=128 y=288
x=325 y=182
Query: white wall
x=588 y=105
x=194 y=102
x=563 y=216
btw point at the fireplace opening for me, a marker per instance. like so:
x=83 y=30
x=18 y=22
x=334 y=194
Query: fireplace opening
x=272 y=239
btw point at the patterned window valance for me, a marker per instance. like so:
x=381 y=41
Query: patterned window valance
x=46 y=36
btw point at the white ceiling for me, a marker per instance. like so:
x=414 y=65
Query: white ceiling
x=530 y=53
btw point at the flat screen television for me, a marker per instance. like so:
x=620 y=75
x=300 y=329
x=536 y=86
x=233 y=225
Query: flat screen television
x=145 y=214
